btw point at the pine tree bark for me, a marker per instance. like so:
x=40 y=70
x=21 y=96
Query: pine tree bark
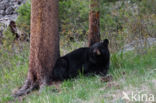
x=94 y=22
x=44 y=44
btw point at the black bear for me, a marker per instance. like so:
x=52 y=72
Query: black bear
x=87 y=60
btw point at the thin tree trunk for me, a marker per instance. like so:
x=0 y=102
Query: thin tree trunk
x=44 y=44
x=94 y=22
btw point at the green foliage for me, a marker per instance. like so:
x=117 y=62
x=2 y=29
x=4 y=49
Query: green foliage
x=118 y=20
x=8 y=38
x=73 y=18
x=13 y=67
x=23 y=20
x=116 y=60
x=148 y=6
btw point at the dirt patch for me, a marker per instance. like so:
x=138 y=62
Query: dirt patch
x=107 y=78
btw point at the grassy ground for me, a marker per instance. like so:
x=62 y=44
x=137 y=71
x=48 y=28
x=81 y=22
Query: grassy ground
x=130 y=72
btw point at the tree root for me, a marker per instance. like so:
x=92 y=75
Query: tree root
x=26 y=88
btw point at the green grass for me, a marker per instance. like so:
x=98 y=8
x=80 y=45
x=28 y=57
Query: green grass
x=130 y=72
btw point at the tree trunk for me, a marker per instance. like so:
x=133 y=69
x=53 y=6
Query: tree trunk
x=44 y=44
x=94 y=22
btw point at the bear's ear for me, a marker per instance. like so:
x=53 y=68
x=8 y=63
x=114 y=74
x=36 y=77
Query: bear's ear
x=106 y=42
x=97 y=51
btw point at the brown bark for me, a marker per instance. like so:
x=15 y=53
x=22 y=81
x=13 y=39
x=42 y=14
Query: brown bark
x=44 y=44
x=94 y=23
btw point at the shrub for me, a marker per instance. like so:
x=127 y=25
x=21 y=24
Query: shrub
x=23 y=20
x=117 y=20
x=8 y=38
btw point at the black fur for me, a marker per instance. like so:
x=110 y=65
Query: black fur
x=94 y=60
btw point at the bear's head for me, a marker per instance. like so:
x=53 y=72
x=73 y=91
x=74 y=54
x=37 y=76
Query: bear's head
x=99 y=52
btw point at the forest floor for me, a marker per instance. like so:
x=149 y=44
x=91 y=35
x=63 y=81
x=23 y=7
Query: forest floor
x=133 y=80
